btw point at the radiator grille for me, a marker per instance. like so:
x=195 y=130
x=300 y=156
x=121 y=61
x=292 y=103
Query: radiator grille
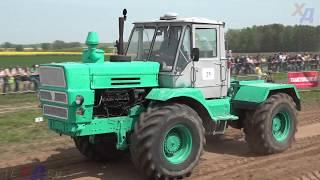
x=54 y=96
x=45 y=95
x=54 y=111
x=60 y=97
x=52 y=76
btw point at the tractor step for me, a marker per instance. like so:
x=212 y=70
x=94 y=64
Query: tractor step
x=228 y=117
x=220 y=127
x=221 y=124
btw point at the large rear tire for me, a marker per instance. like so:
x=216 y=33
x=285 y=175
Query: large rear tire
x=103 y=148
x=272 y=126
x=167 y=141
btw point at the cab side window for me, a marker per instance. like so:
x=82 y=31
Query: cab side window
x=185 y=51
x=206 y=41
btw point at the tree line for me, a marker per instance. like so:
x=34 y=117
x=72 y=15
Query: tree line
x=267 y=38
x=56 y=45
x=274 y=38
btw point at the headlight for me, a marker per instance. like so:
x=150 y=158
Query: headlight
x=79 y=100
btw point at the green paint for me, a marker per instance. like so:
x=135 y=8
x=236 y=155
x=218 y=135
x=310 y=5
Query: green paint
x=218 y=109
x=124 y=74
x=92 y=54
x=281 y=126
x=258 y=91
x=177 y=144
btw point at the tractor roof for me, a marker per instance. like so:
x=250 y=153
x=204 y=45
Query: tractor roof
x=172 y=18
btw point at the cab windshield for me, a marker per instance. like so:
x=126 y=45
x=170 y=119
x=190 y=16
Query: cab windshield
x=155 y=44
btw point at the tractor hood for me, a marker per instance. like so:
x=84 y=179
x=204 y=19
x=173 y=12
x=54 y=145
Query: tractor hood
x=124 y=74
x=78 y=76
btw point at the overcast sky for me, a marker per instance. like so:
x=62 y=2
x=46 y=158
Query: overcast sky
x=35 y=21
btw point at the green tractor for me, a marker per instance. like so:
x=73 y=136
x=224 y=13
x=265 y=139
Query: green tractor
x=160 y=96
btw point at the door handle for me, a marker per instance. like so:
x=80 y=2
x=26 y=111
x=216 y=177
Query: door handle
x=223 y=73
x=193 y=76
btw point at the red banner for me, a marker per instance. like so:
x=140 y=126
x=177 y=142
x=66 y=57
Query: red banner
x=304 y=79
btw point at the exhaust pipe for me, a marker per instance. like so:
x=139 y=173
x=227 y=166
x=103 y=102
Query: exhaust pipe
x=119 y=43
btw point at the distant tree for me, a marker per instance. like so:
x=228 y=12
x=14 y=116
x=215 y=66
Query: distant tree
x=73 y=45
x=34 y=47
x=58 y=44
x=7 y=45
x=45 y=46
x=19 y=48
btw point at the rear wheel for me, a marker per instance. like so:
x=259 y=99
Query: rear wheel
x=167 y=141
x=102 y=149
x=272 y=126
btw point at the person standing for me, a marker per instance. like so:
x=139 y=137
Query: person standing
x=25 y=78
x=6 y=86
x=1 y=78
x=35 y=76
x=258 y=71
x=16 y=78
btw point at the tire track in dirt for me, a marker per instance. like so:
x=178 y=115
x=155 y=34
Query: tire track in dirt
x=276 y=167
x=309 y=117
x=224 y=162
x=263 y=162
x=311 y=175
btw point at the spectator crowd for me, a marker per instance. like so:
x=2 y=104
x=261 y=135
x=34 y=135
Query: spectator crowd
x=19 y=79
x=280 y=62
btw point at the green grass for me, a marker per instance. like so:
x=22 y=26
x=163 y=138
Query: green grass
x=310 y=96
x=12 y=99
x=10 y=61
x=278 y=77
x=19 y=127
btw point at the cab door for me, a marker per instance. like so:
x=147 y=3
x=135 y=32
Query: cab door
x=209 y=72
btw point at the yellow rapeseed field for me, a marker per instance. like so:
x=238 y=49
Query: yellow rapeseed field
x=13 y=53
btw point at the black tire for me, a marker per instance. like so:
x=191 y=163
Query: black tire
x=148 y=137
x=103 y=149
x=258 y=125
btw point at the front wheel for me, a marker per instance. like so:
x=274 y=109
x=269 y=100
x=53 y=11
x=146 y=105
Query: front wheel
x=167 y=141
x=272 y=126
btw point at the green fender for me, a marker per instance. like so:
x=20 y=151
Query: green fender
x=165 y=94
x=249 y=94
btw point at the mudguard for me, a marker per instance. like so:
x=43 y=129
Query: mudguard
x=165 y=94
x=249 y=94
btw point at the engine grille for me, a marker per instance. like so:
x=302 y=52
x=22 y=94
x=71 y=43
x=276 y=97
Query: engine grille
x=52 y=76
x=125 y=81
x=54 y=111
x=45 y=95
x=54 y=96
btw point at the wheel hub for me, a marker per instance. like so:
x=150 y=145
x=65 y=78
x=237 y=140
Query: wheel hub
x=281 y=126
x=177 y=144
x=276 y=124
x=172 y=143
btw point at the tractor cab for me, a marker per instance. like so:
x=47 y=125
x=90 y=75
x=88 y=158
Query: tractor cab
x=190 y=51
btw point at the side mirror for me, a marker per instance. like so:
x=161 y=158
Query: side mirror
x=195 y=54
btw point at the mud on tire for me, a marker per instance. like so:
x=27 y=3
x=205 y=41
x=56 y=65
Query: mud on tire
x=150 y=141
x=265 y=132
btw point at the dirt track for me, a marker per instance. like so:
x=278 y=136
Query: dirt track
x=226 y=158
